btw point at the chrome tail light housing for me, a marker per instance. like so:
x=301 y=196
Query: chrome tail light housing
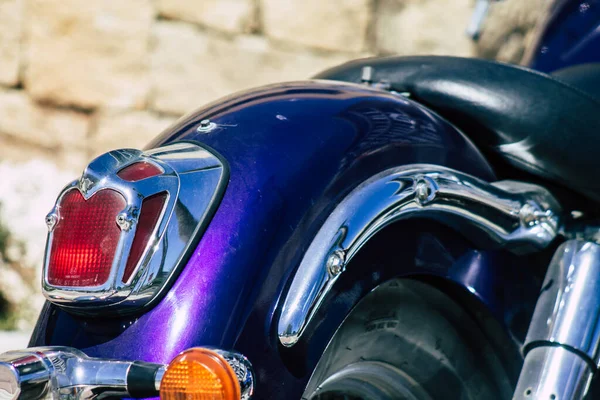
x=119 y=234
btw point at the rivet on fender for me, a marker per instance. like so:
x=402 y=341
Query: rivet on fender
x=206 y=125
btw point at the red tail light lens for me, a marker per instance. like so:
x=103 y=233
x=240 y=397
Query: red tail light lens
x=138 y=171
x=149 y=215
x=85 y=238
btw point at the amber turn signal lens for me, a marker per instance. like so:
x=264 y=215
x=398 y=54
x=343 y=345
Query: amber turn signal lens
x=199 y=374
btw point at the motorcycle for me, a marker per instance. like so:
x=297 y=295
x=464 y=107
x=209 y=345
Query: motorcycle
x=397 y=228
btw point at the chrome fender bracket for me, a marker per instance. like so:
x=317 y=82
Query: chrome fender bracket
x=517 y=216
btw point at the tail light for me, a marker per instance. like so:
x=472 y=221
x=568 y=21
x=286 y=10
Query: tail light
x=139 y=171
x=122 y=231
x=86 y=239
x=152 y=208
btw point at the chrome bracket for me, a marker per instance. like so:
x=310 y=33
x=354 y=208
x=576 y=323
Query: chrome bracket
x=513 y=215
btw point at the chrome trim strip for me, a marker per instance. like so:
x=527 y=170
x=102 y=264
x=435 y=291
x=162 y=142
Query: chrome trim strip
x=243 y=371
x=158 y=378
x=194 y=179
x=518 y=216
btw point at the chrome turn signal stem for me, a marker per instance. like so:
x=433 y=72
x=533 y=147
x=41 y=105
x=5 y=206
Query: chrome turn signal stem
x=66 y=373
x=562 y=346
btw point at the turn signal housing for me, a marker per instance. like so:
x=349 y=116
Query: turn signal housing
x=199 y=374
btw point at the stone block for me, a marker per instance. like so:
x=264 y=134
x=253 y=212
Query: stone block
x=121 y=129
x=231 y=16
x=191 y=67
x=330 y=25
x=43 y=126
x=423 y=27
x=11 y=21
x=88 y=53
x=508 y=28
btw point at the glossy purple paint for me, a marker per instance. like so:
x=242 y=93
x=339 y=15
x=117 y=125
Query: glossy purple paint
x=294 y=150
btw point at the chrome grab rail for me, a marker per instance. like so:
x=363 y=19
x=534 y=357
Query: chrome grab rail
x=514 y=215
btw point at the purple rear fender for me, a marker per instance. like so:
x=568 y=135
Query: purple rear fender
x=294 y=150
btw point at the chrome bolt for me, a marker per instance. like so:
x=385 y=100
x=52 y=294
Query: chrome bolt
x=422 y=191
x=124 y=221
x=366 y=75
x=206 y=125
x=335 y=262
x=51 y=220
x=425 y=190
x=531 y=215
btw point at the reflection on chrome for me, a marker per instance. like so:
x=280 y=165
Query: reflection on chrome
x=517 y=216
x=562 y=345
x=67 y=373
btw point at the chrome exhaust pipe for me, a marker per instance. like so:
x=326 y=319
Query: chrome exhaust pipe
x=562 y=345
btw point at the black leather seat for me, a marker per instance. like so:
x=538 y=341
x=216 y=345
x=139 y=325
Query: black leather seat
x=539 y=124
x=584 y=76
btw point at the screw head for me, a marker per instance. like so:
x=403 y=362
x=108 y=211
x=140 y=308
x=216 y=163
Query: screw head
x=124 y=221
x=51 y=220
x=422 y=191
x=531 y=215
x=425 y=190
x=335 y=262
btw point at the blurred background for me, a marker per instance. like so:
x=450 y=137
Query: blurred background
x=81 y=77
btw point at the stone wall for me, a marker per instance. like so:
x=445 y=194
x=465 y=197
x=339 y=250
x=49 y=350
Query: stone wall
x=80 y=77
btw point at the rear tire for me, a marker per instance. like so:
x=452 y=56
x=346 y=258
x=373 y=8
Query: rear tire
x=409 y=340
